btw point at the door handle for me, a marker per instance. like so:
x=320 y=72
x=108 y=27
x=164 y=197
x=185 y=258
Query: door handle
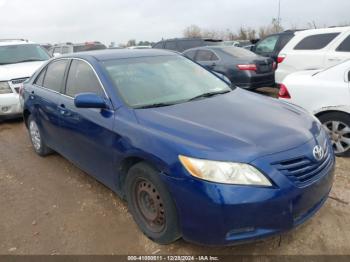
x=62 y=109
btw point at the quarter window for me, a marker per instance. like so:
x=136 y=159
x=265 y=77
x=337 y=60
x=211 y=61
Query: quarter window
x=315 y=42
x=82 y=79
x=55 y=75
x=40 y=79
x=345 y=45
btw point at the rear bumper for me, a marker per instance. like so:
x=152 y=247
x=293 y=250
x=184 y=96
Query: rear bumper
x=10 y=105
x=266 y=80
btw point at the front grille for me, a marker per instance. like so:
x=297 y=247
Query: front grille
x=303 y=170
x=18 y=81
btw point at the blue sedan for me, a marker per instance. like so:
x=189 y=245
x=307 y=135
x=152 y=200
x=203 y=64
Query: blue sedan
x=193 y=156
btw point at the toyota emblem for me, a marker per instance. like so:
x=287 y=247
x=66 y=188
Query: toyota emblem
x=318 y=153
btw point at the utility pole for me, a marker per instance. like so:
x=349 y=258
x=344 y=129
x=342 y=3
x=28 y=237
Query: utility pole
x=279 y=14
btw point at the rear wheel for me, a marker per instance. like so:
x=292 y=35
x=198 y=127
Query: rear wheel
x=37 y=139
x=338 y=128
x=151 y=205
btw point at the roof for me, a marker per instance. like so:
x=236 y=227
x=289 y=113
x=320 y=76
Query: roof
x=112 y=54
x=325 y=30
x=6 y=42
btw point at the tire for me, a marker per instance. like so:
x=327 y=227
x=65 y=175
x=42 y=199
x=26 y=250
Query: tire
x=151 y=205
x=337 y=125
x=36 y=138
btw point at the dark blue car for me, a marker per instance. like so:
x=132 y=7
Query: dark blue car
x=193 y=156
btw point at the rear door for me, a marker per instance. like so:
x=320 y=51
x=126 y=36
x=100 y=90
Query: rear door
x=339 y=51
x=87 y=137
x=49 y=84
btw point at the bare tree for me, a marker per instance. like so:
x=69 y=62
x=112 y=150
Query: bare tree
x=192 y=31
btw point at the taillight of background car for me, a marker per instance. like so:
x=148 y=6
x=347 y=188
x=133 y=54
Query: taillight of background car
x=248 y=67
x=284 y=93
x=281 y=58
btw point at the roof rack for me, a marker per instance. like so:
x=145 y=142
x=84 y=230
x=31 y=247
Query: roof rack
x=13 y=39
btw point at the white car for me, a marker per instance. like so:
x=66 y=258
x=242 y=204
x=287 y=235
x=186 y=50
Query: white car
x=314 y=49
x=19 y=59
x=325 y=94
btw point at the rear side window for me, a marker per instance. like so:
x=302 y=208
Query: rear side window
x=55 y=75
x=190 y=54
x=345 y=45
x=205 y=55
x=267 y=45
x=315 y=42
x=82 y=79
x=171 y=45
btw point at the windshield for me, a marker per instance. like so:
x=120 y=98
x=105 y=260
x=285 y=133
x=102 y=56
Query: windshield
x=146 y=81
x=13 y=54
x=238 y=52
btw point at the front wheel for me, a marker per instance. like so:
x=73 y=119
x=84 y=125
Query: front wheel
x=338 y=127
x=151 y=205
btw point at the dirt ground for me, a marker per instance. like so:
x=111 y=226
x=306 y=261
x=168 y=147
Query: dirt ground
x=48 y=206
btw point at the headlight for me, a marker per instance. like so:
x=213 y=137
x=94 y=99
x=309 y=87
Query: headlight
x=5 y=88
x=224 y=172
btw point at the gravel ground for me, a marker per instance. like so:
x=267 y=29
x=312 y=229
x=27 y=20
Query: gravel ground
x=49 y=206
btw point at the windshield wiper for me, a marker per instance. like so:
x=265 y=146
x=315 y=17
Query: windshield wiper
x=209 y=94
x=155 y=105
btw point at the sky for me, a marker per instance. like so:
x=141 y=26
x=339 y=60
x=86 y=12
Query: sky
x=48 y=21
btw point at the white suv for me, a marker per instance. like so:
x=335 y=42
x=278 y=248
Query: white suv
x=19 y=59
x=314 y=49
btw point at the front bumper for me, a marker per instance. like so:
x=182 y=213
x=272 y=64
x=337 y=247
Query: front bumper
x=218 y=214
x=10 y=105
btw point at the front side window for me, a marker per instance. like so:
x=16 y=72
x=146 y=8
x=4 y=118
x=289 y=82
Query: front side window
x=55 y=75
x=267 y=45
x=345 y=45
x=148 y=81
x=315 y=42
x=82 y=79
x=13 y=54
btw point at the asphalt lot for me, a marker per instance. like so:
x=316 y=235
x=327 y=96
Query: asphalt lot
x=48 y=206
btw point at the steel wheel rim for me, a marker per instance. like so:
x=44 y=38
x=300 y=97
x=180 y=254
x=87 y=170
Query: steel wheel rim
x=339 y=133
x=35 y=135
x=150 y=205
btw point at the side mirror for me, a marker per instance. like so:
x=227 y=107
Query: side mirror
x=89 y=100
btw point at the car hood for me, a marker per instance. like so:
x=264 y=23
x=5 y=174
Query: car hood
x=238 y=126
x=20 y=70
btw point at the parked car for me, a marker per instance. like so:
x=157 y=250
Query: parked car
x=325 y=94
x=242 y=67
x=314 y=49
x=271 y=45
x=237 y=43
x=140 y=47
x=192 y=157
x=68 y=48
x=182 y=44
x=19 y=59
